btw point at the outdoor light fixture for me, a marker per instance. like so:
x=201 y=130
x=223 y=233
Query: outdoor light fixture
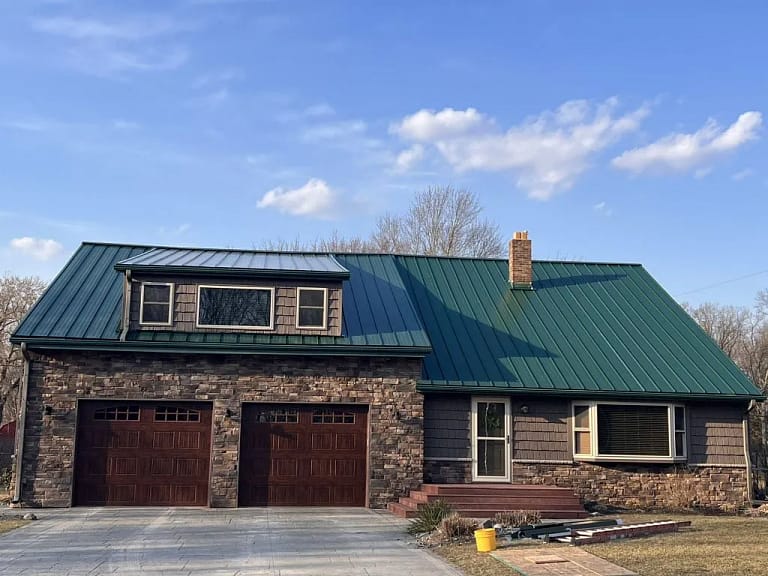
x=524 y=409
x=228 y=413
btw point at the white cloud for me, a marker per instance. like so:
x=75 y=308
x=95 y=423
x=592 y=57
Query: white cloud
x=317 y=110
x=742 y=174
x=315 y=199
x=409 y=157
x=137 y=28
x=118 y=46
x=603 y=208
x=333 y=131
x=38 y=248
x=546 y=153
x=428 y=125
x=681 y=152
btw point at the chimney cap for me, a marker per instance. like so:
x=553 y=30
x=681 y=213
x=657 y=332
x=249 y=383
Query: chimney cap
x=522 y=235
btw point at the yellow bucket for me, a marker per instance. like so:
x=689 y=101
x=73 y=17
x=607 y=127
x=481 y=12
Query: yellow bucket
x=485 y=539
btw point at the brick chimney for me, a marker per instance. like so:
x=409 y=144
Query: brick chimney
x=520 y=271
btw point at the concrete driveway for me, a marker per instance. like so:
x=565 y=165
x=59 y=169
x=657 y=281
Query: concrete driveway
x=194 y=541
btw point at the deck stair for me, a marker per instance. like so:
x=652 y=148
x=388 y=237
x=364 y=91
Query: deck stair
x=485 y=500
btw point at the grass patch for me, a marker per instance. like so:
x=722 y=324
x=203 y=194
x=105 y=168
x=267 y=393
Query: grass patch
x=8 y=525
x=714 y=545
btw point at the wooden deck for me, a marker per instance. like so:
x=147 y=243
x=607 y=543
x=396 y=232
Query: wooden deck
x=482 y=500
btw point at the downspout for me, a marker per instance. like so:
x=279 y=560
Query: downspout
x=21 y=424
x=126 y=305
x=745 y=426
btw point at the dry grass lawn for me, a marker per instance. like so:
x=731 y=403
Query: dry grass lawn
x=8 y=525
x=713 y=546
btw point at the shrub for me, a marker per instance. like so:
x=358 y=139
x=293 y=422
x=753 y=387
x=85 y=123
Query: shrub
x=429 y=517
x=455 y=525
x=515 y=518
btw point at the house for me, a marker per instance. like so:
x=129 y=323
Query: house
x=183 y=376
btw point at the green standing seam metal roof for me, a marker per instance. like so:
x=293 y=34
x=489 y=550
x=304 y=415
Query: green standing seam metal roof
x=585 y=329
x=240 y=262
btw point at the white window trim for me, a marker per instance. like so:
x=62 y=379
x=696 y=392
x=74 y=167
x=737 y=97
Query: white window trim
x=170 y=304
x=325 y=308
x=594 y=433
x=270 y=289
x=507 y=445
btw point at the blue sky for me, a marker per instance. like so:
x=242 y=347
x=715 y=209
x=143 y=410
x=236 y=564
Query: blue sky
x=610 y=131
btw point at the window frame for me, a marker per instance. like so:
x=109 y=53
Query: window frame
x=270 y=289
x=171 y=294
x=299 y=289
x=594 y=432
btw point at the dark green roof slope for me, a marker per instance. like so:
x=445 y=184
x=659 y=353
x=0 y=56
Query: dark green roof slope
x=83 y=306
x=585 y=329
x=605 y=329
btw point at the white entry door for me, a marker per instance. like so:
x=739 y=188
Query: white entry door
x=490 y=439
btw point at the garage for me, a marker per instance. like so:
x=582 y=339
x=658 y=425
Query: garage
x=142 y=453
x=303 y=455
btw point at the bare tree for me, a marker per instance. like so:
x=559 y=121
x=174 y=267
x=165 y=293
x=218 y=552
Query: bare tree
x=17 y=294
x=726 y=325
x=441 y=221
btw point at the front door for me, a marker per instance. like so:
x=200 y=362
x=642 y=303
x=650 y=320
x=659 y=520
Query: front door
x=490 y=439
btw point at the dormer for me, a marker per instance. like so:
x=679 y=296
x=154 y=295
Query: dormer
x=232 y=291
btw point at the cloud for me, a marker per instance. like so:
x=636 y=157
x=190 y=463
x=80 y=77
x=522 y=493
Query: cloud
x=546 y=153
x=428 y=125
x=681 y=152
x=318 y=110
x=742 y=174
x=409 y=157
x=314 y=199
x=602 y=208
x=333 y=131
x=38 y=248
x=137 y=28
x=122 y=45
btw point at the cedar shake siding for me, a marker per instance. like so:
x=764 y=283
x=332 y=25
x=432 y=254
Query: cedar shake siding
x=541 y=434
x=386 y=386
x=446 y=427
x=716 y=436
x=185 y=304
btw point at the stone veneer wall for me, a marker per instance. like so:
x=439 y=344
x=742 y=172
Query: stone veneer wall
x=386 y=385
x=648 y=486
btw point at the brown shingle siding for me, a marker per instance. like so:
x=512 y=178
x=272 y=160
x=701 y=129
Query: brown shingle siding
x=185 y=304
x=541 y=434
x=446 y=426
x=716 y=434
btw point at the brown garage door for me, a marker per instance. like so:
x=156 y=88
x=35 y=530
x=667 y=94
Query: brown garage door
x=303 y=455
x=142 y=454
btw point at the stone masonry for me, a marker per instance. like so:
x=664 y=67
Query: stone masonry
x=386 y=385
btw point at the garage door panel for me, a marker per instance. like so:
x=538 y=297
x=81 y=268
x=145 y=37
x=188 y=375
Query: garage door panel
x=303 y=455
x=151 y=453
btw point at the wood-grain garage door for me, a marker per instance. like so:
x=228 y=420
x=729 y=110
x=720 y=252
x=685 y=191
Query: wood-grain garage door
x=142 y=454
x=303 y=455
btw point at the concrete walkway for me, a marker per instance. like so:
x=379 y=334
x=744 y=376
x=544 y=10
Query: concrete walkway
x=194 y=541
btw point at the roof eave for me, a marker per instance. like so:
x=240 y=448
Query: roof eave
x=233 y=272
x=426 y=386
x=218 y=348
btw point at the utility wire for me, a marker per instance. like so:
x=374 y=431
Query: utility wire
x=716 y=284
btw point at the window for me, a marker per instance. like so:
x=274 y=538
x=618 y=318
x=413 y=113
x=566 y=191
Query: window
x=311 y=308
x=279 y=416
x=156 y=303
x=175 y=414
x=234 y=306
x=117 y=413
x=618 y=431
x=329 y=416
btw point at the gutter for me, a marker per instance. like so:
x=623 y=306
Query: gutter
x=126 y=305
x=425 y=387
x=225 y=348
x=21 y=426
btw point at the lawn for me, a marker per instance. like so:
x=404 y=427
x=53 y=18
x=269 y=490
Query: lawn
x=713 y=545
x=8 y=525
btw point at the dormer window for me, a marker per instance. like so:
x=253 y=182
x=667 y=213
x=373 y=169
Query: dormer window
x=156 y=304
x=311 y=308
x=245 y=307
